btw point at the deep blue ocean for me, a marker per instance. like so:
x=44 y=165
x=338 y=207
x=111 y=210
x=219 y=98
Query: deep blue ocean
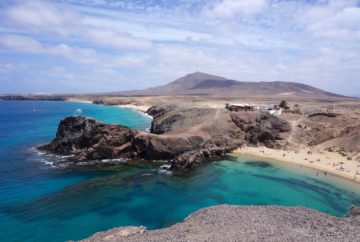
x=41 y=203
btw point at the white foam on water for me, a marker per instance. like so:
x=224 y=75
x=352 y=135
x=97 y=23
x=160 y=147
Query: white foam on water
x=164 y=169
x=146 y=115
x=165 y=166
x=165 y=172
x=79 y=110
x=50 y=163
x=146 y=174
x=120 y=160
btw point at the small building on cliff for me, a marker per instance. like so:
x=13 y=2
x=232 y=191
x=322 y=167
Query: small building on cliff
x=273 y=109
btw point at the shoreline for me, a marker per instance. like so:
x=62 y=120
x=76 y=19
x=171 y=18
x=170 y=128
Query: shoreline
x=141 y=109
x=327 y=162
x=78 y=101
x=138 y=108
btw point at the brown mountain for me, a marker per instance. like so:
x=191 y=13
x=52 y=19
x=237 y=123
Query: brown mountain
x=204 y=84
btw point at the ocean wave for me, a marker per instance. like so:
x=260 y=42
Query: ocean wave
x=119 y=160
x=50 y=163
x=146 y=115
x=165 y=172
x=165 y=166
x=165 y=169
x=79 y=110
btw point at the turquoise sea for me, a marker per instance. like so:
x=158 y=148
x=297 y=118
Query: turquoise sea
x=41 y=203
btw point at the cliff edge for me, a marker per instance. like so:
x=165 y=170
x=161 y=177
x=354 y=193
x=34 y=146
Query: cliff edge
x=185 y=137
x=245 y=223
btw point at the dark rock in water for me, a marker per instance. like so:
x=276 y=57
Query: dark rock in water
x=354 y=211
x=186 y=136
x=88 y=139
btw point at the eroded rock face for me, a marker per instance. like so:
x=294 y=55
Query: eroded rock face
x=88 y=139
x=186 y=136
x=157 y=147
x=261 y=128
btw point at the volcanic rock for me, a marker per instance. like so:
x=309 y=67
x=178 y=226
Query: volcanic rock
x=185 y=136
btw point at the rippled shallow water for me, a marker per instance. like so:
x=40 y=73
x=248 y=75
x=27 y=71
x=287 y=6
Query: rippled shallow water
x=38 y=203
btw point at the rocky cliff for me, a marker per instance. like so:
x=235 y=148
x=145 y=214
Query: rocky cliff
x=85 y=139
x=186 y=136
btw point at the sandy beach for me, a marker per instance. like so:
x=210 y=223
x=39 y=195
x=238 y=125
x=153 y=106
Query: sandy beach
x=319 y=159
x=141 y=108
x=78 y=100
x=329 y=162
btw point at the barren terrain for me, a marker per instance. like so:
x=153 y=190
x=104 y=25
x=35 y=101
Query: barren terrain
x=250 y=223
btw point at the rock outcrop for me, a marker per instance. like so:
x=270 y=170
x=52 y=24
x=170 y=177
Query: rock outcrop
x=354 y=211
x=185 y=136
x=86 y=139
x=245 y=223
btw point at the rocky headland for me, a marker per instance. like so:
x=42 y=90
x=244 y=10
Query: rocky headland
x=246 y=223
x=185 y=137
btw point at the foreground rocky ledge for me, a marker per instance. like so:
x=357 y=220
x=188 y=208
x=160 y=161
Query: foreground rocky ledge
x=246 y=223
x=186 y=137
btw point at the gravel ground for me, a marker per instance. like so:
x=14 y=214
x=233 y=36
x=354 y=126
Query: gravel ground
x=246 y=223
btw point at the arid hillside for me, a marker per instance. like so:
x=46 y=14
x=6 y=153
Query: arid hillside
x=204 y=84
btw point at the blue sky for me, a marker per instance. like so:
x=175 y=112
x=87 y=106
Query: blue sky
x=102 y=45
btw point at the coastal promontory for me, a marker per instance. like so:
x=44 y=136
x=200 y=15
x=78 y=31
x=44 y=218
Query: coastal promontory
x=245 y=223
x=185 y=137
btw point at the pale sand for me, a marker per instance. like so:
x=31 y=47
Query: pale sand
x=329 y=162
x=78 y=100
x=141 y=108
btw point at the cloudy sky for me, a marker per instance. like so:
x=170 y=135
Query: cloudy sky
x=107 y=45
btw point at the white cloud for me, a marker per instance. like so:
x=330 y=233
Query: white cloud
x=175 y=60
x=154 y=41
x=20 y=43
x=6 y=67
x=126 y=61
x=26 y=44
x=144 y=27
x=231 y=8
x=118 y=40
x=41 y=15
x=86 y=56
x=80 y=55
x=336 y=19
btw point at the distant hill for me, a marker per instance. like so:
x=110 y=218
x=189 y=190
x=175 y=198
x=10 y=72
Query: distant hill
x=204 y=84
